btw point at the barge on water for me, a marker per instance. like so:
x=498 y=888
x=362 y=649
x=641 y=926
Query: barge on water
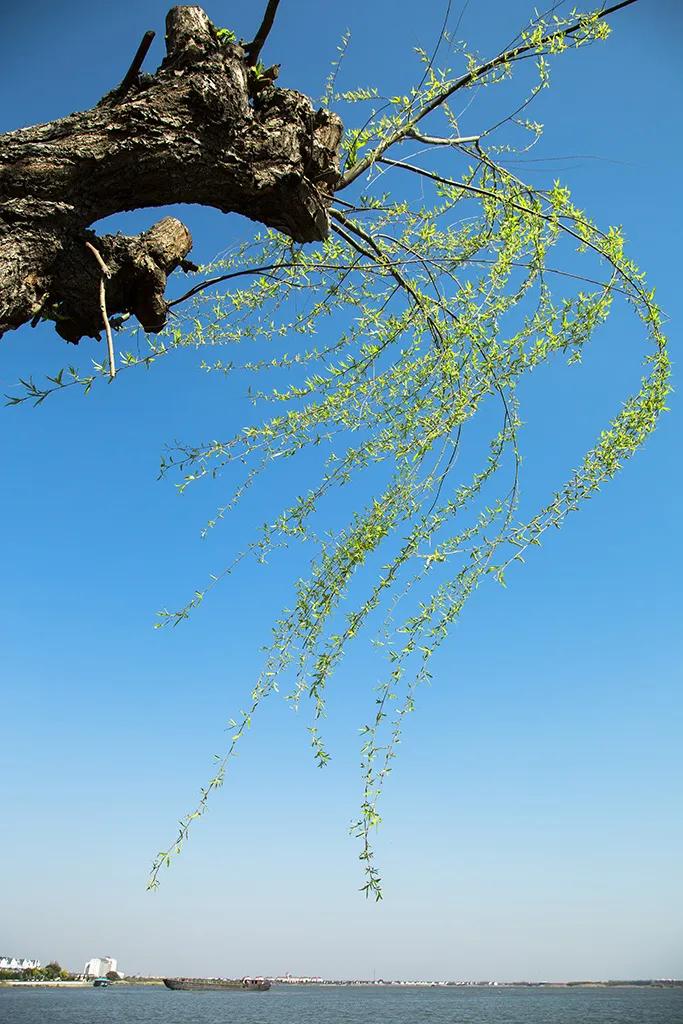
x=218 y=984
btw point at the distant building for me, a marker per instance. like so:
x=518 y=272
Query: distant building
x=17 y=963
x=290 y=979
x=100 y=966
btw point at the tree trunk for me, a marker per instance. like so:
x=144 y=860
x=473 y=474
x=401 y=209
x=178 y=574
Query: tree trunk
x=205 y=128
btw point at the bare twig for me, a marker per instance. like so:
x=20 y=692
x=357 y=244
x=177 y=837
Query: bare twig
x=226 y=277
x=433 y=140
x=103 y=266
x=264 y=270
x=133 y=70
x=253 y=49
x=103 y=307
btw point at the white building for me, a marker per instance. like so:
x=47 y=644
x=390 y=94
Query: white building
x=100 y=966
x=17 y=963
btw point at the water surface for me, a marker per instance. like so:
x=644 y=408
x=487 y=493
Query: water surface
x=328 y=1005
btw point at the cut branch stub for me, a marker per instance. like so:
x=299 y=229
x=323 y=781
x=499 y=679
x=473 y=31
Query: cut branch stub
x=197 y=131
x=138 y=265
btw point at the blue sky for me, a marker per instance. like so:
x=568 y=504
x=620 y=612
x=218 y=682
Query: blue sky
x=533 y=821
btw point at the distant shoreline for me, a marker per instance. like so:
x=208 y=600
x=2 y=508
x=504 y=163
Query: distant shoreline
x=488 y=985
x=654 y=983
x=77 y=984
x=563 y=985
x=45 y=984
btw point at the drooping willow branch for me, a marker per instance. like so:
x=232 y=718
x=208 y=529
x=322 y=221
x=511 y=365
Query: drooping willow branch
x=423 y=318
x=410 y=402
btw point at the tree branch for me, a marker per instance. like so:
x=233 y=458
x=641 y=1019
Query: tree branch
x=461 y=83
x=477 y=190
x=196 y=289
x=136 y=64
x=193 y=132
x=105 y=273
x=253 y=49
x=389 y=263
x=434 y=140
x=266 y=269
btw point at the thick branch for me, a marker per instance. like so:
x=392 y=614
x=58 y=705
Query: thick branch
x=195 y=132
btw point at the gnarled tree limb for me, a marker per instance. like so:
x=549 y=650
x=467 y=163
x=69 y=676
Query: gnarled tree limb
x=196 y=131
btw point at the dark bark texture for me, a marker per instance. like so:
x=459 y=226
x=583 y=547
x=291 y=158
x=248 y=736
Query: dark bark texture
x=205 y=128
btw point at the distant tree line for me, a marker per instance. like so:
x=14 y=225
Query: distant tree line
x=51 y=972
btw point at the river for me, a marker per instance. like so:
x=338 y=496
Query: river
x=342 y=1005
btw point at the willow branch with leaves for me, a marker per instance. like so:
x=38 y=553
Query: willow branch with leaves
x=426 y=308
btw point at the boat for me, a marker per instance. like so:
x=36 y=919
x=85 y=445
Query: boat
x=217 y=984
x=100 y=982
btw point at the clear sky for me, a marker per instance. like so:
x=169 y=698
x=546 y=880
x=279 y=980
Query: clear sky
x=534 y=821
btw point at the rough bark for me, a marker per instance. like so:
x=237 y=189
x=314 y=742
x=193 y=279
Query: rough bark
x=203 y=129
